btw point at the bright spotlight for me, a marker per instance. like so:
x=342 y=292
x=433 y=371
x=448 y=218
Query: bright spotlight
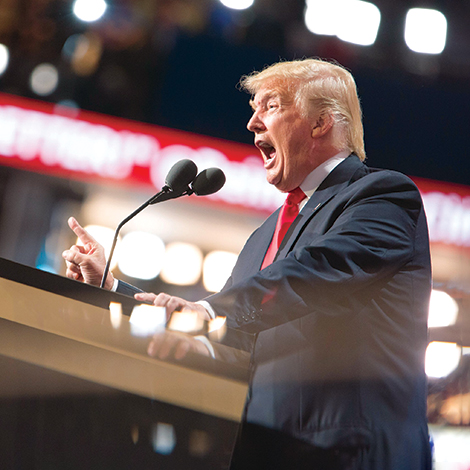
x=443 y=309
x=89 y=10
x=353 y=21
x=182 y=264
x=141 y=255
x=425 y=30
x=361 y=25
x=4 y=58
x=217 y=268
x=44 y=79
x=237 y=4
x=321 y=17
x=442 y=358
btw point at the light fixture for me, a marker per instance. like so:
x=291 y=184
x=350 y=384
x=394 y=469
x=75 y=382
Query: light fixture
x=44 y=79
x=425 y=30
x=141 y=255
x=182 y=264
x=354 y=21
x=443 y=309
x=442 y=358
x=89 y=10
x=237 y=4
x=361 y=21
x=321 y=17
x=4 y=58
x=217 y=268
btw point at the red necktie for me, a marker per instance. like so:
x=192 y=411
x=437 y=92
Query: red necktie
x=289 y=211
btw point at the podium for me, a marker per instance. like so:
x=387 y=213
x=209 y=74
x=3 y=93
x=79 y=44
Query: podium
x=78 y=390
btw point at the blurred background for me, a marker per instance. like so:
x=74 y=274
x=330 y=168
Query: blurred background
x=98 y=99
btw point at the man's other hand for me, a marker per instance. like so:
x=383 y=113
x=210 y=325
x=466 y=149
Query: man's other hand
x=172 y=303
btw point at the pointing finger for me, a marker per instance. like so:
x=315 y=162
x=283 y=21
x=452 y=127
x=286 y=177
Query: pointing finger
x=81 y=233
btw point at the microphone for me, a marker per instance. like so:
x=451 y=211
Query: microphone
x=181 y=180
x=177 y=182
x=207 y=182
x=181 y=174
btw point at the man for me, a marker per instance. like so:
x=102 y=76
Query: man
x=339 y=304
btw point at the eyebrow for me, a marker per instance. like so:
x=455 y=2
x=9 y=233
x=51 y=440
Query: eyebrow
x=269 y=95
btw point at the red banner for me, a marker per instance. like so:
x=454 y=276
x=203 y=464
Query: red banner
x=56 y=140
x=71 y=143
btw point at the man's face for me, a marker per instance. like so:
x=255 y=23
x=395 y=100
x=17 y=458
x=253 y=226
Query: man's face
x=284 y=138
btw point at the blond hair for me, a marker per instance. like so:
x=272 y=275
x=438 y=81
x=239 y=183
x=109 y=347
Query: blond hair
x=318 y=87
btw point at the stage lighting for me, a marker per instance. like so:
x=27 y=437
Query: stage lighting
x=4 y=58
x=443 y=309
x=353 y=21
x=361 y=23
x=442 y=358
x=182 y=264
x=425 y=30
x=217 y=268
x=89 y=10
x=321 y=17
x=44 y=79
x=237 y=4
x=141 y=255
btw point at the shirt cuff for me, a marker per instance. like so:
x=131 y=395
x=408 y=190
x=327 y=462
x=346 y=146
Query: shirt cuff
x=208 y=307
x=115 y=285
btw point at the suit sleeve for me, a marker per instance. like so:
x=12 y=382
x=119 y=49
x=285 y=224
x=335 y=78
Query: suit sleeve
x=127 y=289
x=370 y=235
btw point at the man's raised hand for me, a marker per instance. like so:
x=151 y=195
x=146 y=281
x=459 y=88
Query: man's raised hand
x=86 y=263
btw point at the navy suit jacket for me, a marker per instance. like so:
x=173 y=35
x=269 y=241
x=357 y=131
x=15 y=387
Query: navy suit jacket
x=340 y=318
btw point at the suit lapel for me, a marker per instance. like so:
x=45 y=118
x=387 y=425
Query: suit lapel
x=338 y=179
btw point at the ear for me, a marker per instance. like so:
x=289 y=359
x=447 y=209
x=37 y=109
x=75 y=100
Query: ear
x=322 y=125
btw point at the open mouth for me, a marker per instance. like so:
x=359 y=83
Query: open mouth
x=268 y=151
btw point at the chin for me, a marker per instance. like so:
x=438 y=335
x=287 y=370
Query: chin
x=277 y=182
x=280 y=187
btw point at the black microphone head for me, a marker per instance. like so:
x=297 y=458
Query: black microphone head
x=209 y=181
x=181 y=174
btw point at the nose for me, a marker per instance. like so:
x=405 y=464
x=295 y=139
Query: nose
x=255 y=124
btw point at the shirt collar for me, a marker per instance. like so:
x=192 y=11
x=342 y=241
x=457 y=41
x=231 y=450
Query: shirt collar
x=315 y=178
